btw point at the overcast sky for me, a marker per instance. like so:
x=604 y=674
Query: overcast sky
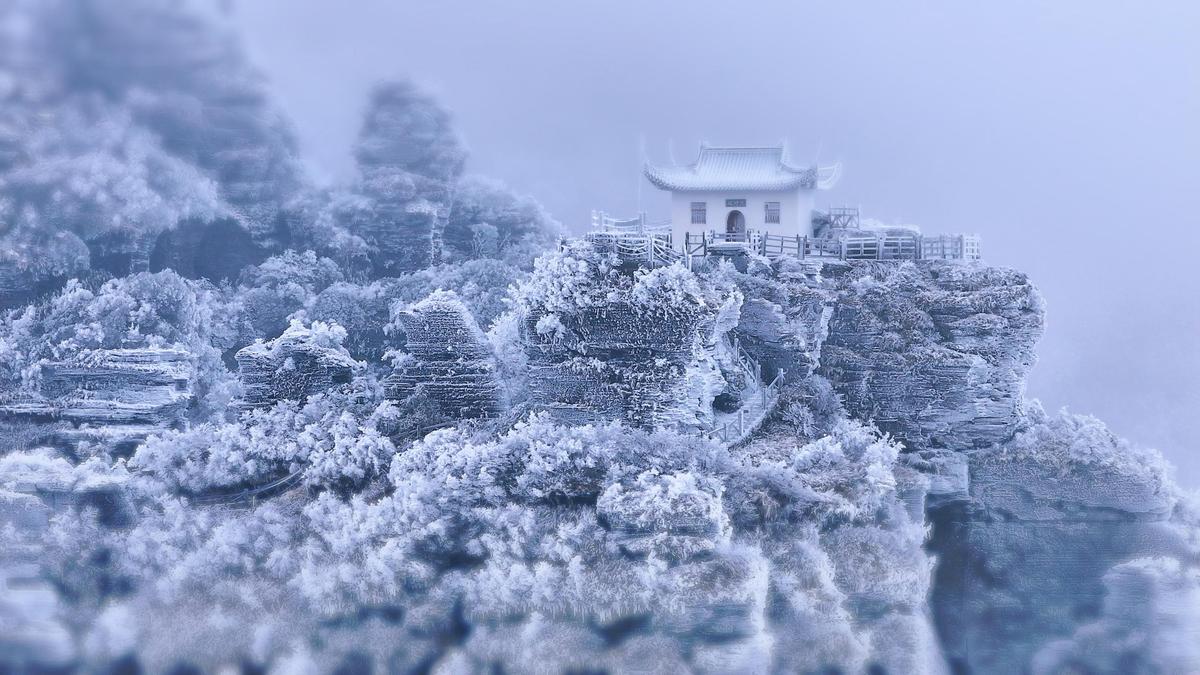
x=1065 y=133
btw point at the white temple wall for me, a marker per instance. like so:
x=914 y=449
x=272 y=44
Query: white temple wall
x=795 y=217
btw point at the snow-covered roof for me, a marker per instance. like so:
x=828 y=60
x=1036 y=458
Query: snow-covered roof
x=751 y=168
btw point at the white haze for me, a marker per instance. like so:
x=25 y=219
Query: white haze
x=1064 y=133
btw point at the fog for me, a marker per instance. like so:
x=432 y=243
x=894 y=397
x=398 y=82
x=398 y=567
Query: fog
x=1065 y=134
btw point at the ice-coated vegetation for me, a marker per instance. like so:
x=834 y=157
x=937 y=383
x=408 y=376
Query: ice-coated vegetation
x=396 y=425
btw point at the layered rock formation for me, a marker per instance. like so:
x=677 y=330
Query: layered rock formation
x=448 y=360
x=299 y=363
x=934 y=352
x=1025 y=553
x=624 y=362
x=120 y=386
x=113 y=398
x=608 y=342
x=785 y=317
x=409 y=160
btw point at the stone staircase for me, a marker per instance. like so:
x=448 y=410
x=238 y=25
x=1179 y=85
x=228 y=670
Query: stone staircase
x=759 y=400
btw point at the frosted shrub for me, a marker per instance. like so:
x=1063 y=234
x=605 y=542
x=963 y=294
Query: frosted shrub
x=330 y=446
x=673 y=515
x=846 y=475
x=552 y=326
x=511 y=359
x=666 y=287
x=1073 y=443
x=569 y=279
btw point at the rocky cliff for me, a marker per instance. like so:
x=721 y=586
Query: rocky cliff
x=933 y=352
x=1026 y=553
x=1032 y=515
x=903 y=509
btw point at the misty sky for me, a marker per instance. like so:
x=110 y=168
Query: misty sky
x=1065 y=133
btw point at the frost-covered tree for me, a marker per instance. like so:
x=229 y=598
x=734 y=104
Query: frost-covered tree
x=330 y=440
x=142 y=310
x=489 y=221
x=137 y=131
x=278 y=288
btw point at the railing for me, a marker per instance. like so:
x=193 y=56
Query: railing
x=633 y=239
x=650 y=243
x=860 y=247
x=651 y=249
x=734 y=431
x=603 y=222
x=951 y=247
x=883 y=247
x=846 y=217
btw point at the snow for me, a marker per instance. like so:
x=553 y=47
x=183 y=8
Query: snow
x=214 y=465
x=724 y=169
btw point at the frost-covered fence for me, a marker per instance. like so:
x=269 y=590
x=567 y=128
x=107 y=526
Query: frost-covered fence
x=749 y=417
x=634 y=239
x=848 y=247
x=844 y=217
x=951 y=247
x=603 y=222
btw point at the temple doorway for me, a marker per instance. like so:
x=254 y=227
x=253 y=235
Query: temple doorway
x=735 y=223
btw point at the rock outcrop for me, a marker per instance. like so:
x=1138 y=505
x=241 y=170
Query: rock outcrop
x=120 y=387
x=409 y=161
x=299 y=363
x=448 y=360
x=110 y=398
x=1025 y=555
x=933 y=352
x=643 y=366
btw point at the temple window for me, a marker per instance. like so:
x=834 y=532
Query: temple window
x=772 y=214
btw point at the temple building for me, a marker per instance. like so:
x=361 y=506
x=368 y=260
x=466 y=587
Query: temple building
x=736 y=191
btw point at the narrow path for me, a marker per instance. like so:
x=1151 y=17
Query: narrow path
x=759 y=400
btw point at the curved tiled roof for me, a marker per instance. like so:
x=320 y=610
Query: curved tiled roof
x=735 y=169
